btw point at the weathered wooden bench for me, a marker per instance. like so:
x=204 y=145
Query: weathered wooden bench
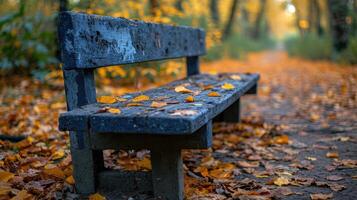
x=91 y=41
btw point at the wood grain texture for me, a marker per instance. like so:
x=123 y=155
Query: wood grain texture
x=91 y=41
x=173 y=119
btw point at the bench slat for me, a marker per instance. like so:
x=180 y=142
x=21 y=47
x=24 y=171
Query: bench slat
x=91 y=41
x=179 y=118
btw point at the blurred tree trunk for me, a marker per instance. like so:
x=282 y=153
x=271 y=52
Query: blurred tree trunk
x=338 y=13
x=256 y=32
x=315 y=17
x=178 y=5
x=228 y=28
x=214 y=12
x=298 y=18
x=245 y=21
x=154 y=7
x=354 y=18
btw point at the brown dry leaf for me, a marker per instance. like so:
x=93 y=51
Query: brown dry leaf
x=332 y=155
x=207 y=87
x=190 y=99
x=182 y=89
x=114 y=110
x=280 y=181
x=227 y=86
x=320 y=196
x=96 y=196
x=202 y=170
x=156 y=104
x=6 y=176
x=334 y=178
x=106 y=99
x=56 y=172
x=22 y=195
x=214 y=94
x=246 y=164
x=133 y=104
x=5 y=188
x=141 y=98
x=70 y=180
x=336 y=187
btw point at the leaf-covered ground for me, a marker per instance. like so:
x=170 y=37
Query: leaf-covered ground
x=297 y=139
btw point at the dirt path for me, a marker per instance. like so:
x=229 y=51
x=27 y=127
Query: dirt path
x=316 y=102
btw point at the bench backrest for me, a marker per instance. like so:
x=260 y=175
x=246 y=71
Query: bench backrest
x=91 y=41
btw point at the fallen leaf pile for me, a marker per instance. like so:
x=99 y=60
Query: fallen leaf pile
x=304 y=147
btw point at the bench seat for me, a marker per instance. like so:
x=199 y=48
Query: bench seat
x=176 y=118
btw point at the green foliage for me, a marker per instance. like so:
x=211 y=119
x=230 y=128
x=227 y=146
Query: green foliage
x=310 y=46
x=349 y=55
x=237 y=46
x=28 y=43
x=313 y=47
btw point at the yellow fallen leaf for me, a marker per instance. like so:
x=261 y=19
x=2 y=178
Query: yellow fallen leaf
x=190 y=99
x=96 y=196
x=6 y=176
x=214 y=94
x=114 y=110
x=70 y=180
x=106 y=99
x=332 y=155
x=156 y=104
x=144 y=163
x=22 y=195
x=236 y=77
x=227 y=86
x=58 y=155
x=56 y=172
x=280 y=181
x=141 y=98
x=182 y=89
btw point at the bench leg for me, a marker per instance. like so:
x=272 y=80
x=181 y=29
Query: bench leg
x=231 y=114
x=167 y=173
x=86 y=163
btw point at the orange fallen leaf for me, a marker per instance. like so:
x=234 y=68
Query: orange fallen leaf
x=56 y=172
x=6 y=176
x=320 y=196
x=227 y=86
x=106 y=99
x=190 y=99
x=114 y=110
x=214 y=94
x=332 y=155
x=182 y=89
x=282 y=139
x=156 y=104
x=70 y=180
x=144 y=163
x=141 y=98
x=96 y=196
x=202 y=170
x=22 y=195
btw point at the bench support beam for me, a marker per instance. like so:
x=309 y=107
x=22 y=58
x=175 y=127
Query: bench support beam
x=193 y=65
x=80 y=90
x=231 y=114
x=167 y=173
